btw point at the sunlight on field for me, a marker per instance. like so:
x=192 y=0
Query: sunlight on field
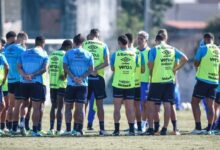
x=185 y=122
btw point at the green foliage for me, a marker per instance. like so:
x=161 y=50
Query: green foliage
x=131 y=15
x=158 y=8
x=214 y=27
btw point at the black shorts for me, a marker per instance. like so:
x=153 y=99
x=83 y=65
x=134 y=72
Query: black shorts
x=161 y=92
x=96 y=85
x=137 y=93
x=13 y=88
x=55 y=92
x=127 y=94
x=217 y=99
x=1 y=99
x=76 y=94
x=5 y=93
x=204 y=90
x=35 y=91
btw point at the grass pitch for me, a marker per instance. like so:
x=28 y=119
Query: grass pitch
x=94 y=142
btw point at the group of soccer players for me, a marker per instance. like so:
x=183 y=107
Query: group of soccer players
x=143 y=79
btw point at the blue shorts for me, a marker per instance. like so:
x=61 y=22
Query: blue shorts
x=144 y=91
x=162 y=92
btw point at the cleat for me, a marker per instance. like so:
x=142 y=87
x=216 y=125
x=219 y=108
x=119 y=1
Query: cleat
x=59 y=133
x=36 y=134
x=66 y=133
x=23 y=132
x=149 y=132
x=139 y=132
x=42 y=132
x=130 y=133
x=163 y=132
x=116 y=133
x=196 y=132
x=76 y=133
x=51 y=133
x=177 y=132
x=102 y=133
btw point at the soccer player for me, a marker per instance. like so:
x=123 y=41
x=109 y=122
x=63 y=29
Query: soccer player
x=32 y=65
x=173 y=103
x=207 y=61
x=91 y=102
x=162 y=59
x=3 y=77
x=100 y=53
x=78 y=64
x=140 y=68
x=57 y=86
x=142 y=42
x=5 y=94
x=12 y=53
x=217 y=105
x=123 y=64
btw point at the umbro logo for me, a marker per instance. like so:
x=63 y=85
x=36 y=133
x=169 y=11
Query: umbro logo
x=125 y=59
x=93 y=47
x=54 y=58
x=166 y=52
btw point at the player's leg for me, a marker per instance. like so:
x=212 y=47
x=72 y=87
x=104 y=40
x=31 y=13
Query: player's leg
x=100 y=95
x=11 y=94
x=157 y=118
x=144 y=105
x=4 y=110
x=53 y=97
x=174 y=119
x=80 y=101
x=129 y=108
x=198 y=94
x=60 y=100
x=117 y=101
x=137 y=108
x=2 y=106
x=28 y=115
x=91 y=112
x=68 y=102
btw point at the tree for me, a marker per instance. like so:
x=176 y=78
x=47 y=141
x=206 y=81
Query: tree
x=131 y=14
x=214 y=27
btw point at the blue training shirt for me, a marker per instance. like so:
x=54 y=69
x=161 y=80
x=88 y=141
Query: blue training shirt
x=78 y=61
x=32 y=61
x=12 y=54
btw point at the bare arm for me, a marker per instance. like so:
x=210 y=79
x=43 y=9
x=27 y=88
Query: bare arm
x=183 y=60
x=104 y=64
x=196 y=64
x=151 y=66
x=20 y=70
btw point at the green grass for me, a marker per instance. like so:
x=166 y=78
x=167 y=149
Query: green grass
x=185 y=123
